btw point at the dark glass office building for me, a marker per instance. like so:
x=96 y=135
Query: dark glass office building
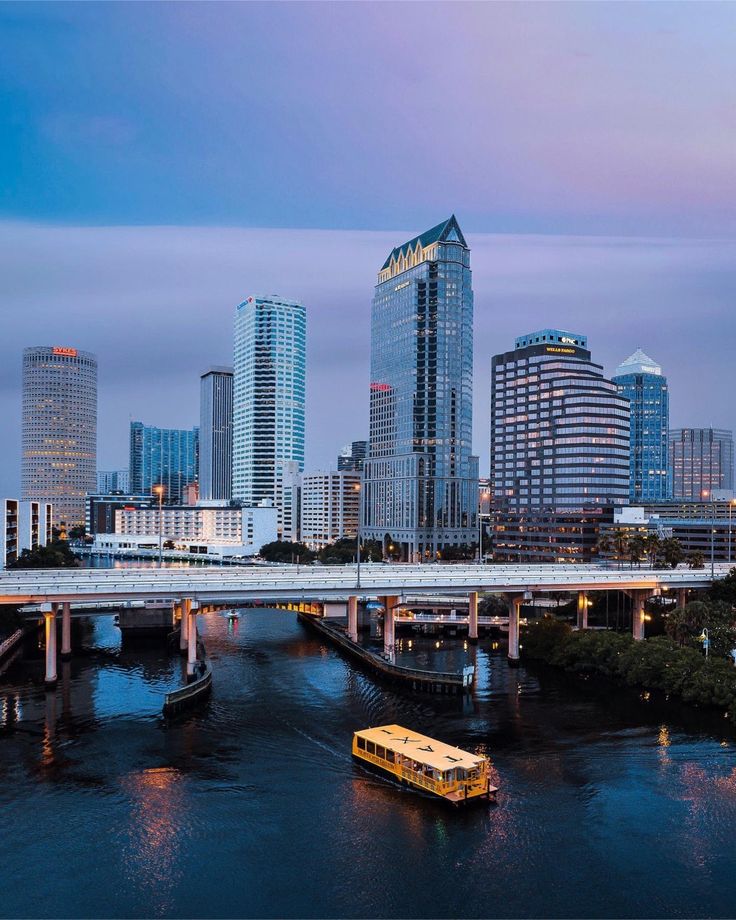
x=559 y=449
x=421 y=481
x=702 y=462
x=641 y=381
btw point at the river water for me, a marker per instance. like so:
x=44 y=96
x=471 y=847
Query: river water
x=611 y=806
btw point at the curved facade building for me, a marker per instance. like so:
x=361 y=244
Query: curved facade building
x=559 y=448
x=59 y=429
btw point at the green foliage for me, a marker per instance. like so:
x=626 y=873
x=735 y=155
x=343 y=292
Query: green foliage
x=342 y=552
x=79 y=532
x=655 y=664
x=696 y=560
x=459 y=553
x=55 y=555
x=724 y=589
x=285 y=551
x=686 y=624
x=493 y=605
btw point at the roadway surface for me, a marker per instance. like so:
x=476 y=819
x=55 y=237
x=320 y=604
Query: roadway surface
x=297 y=583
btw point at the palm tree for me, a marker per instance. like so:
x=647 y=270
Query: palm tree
x=620 y=539
x=696 y=560
x=652 y=548
x=672 y=552
x=637 y=548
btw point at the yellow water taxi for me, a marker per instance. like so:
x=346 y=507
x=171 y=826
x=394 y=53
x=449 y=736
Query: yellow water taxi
x=424 y=763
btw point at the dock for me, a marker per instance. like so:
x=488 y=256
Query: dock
x=428 y=681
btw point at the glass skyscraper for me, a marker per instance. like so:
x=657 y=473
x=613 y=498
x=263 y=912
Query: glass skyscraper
x=702 y=462
x=269 y=391
x=559 y=448
x=640 y=380
x=216 y=434
x=163 y=456
x=59 y=441
x=421 y=481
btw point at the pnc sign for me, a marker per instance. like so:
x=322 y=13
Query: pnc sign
x=566 y=340
x=67 y=352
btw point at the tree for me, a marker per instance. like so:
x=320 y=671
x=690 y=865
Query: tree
x=78 y=532
x=344 y=551
x=637 y=546
x=55 y=555
x=724 y=589
x=696 y=560
x=652 y=548
x=460 y=552
x=672 y=552
x=686 y=624
x=285 y=551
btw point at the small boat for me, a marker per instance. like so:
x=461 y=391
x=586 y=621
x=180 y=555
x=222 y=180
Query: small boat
x=432 y=766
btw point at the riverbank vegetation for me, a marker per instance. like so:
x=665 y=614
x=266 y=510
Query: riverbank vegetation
x=675 y=663
x=55 y=555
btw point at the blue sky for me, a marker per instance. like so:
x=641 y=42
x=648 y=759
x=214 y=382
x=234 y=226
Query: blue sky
x=159 y=162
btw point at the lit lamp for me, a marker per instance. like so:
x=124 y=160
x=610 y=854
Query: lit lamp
x=705 y=494
x=159 y=490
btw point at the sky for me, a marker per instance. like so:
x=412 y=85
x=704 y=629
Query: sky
x=160 y=162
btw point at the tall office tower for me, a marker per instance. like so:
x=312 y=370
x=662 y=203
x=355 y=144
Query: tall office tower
x=421 y=482
x=353 y=456
x=268 y=401
x=640 y=380
x=112 y=481
x=701 y=461
x=163 y=456
x=216 y=434
x=559 y=448
x=59 y=430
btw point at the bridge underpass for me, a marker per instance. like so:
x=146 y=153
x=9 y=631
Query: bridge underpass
x=194 y=590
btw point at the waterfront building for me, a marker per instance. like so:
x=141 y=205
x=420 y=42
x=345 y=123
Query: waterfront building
x=23 y=525
x=216 y=434
x=269 y=383
x=641 y=381
x=702 y=462
x=353 y=456
x=420 y=479
x=559 y=449
x=221 y=530
x=101 y=508
x=330 y=507
x=112 y=481
x=59 y=429
x=162 y=456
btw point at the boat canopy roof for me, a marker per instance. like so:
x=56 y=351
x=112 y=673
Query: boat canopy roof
x=434 y=754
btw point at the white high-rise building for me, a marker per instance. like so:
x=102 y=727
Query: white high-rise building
x=269 y=372
x=216 y=434
x=330 y=506
x=59 y=424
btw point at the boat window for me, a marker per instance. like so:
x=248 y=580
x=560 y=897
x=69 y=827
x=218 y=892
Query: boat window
x=370 y=747
x=361 y=744
x=380 y=752
x=390 y=756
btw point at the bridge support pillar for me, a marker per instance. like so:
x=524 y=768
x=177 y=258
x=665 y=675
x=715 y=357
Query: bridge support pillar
x=515 y=601
x=390 y=603
x=681 y=597
x=50 y=623
x=191 y=638
x=353 y=617
x=66 y=630
x=582 y=610
x=637 y=614
x=473 y=617
x=184 y=606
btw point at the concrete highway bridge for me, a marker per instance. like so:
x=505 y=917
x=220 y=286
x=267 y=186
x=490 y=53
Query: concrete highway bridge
x=193 y=590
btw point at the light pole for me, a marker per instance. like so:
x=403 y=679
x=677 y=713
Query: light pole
x=159 y=490
x=484 y=492
x=731 y=503
x=359 y=490
x=706 y=494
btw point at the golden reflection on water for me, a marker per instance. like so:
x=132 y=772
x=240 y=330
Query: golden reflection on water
x=155 y=833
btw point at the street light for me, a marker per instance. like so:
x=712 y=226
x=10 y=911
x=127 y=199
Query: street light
x=704 y=494
x=159 y=490
x=484 y=492
x=359 y=490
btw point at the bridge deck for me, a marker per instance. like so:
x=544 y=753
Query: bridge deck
x=281 y=583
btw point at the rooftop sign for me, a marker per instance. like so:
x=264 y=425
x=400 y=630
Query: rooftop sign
x=67 y=352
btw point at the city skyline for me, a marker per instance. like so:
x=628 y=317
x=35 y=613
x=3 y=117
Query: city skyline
x=146 y=245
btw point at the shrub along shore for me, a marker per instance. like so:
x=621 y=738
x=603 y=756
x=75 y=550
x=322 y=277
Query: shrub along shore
x=660 y=663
